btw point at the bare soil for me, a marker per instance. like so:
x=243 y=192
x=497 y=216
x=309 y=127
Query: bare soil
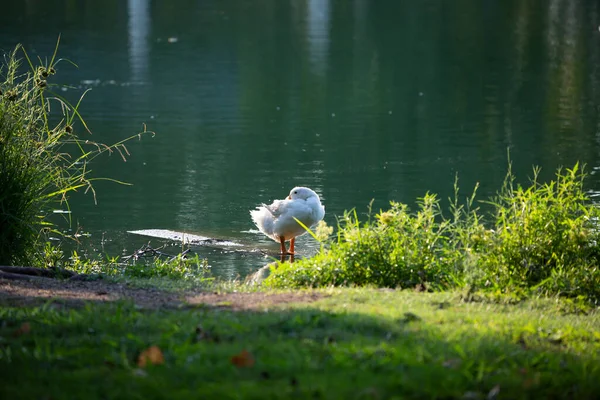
x=77 y=293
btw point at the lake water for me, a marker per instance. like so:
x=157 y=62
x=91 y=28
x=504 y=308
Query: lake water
x=356 y=99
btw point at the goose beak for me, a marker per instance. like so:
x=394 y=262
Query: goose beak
x=288 y=198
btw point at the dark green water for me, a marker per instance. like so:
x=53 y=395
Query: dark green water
x=358 y=100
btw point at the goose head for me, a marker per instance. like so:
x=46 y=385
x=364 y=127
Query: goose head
x=301 y=193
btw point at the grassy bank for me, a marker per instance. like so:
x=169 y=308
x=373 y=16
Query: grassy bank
x=350 y=343
x=536 y=239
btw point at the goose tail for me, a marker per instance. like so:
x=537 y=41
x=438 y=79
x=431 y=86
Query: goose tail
x=263 y=219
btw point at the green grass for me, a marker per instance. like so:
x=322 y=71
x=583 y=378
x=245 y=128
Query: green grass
x=178 y=268
x=357 y=343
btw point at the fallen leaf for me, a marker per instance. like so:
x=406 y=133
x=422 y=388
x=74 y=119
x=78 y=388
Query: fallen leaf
x=24 y=329
x=243 y=359
x=152 y=355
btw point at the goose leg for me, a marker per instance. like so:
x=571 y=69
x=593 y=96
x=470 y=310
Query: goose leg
x=282 y=242
x=283 y=249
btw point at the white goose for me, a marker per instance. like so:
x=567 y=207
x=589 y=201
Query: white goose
x=277 y=219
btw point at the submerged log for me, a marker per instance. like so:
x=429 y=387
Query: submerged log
x=205 y=241
x=187 y=238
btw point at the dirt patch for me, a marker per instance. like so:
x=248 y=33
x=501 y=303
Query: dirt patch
x=74 y=293
x=248 y=301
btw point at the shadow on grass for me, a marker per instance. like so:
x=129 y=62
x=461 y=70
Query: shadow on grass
x=301 y=351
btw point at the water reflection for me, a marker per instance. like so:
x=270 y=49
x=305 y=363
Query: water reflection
x=317 y=35
x=139 y=30
x=361 y=100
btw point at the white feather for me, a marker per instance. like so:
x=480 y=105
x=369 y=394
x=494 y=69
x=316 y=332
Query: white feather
x=277 y=219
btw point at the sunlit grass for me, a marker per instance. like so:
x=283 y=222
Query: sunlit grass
x=355 y=343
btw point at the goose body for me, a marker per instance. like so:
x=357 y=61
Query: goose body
x=277 y=222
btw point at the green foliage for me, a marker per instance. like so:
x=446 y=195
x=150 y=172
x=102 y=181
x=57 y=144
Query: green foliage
x=399 y=249
x=41 y=161
x=544 y=237
x=180 y=267
x=539 y=239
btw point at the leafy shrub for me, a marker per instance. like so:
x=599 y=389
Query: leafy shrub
x=542 y=239
x=399 y=249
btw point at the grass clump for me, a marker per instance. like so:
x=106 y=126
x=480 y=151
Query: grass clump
x=178 y=268
x=41 y=161
x=183 y=267
x=540 y=239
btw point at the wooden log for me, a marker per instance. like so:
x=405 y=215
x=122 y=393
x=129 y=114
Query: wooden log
x=8 y=275
x=29 y=273
x=52 y=272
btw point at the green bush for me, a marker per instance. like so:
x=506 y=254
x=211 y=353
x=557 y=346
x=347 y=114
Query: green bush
x=399 y=249
x=544 y=237
x=539 y=239
x=40 y=162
